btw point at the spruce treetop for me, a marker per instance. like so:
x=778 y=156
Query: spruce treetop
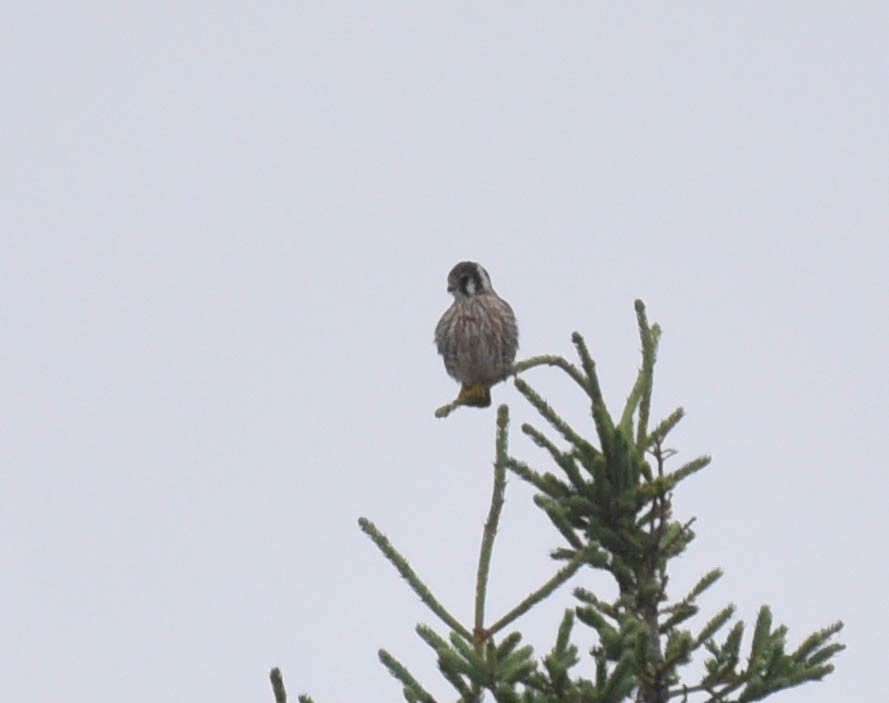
x=609 y=496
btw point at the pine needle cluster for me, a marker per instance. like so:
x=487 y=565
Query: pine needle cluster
x=610 y=499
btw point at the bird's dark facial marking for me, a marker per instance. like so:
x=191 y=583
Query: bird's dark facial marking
x=466 y=277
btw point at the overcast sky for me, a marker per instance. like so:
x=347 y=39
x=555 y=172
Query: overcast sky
x=226 y=230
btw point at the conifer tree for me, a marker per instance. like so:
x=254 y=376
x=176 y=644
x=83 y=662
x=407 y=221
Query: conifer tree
x=610 y=499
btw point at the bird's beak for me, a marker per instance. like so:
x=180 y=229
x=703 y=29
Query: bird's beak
x=451 y=289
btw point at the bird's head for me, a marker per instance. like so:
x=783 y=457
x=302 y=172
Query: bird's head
x=467 y=279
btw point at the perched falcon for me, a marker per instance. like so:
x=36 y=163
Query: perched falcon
x=477 y=335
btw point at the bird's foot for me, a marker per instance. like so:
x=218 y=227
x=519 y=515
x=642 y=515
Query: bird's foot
x=476 y=395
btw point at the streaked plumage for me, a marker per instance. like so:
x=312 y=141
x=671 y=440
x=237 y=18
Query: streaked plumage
x=477 y=335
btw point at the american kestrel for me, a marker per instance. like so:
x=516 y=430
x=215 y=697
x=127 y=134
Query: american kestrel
x=477 y=335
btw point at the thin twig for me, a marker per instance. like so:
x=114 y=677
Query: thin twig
x=562 y=575
x=446 y=410
x=490 y=530
x=408 y=574
x=552 y=360
x=400 y=672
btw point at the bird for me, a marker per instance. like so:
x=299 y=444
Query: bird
x=477 y=336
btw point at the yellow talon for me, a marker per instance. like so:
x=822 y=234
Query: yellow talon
x=476 y=395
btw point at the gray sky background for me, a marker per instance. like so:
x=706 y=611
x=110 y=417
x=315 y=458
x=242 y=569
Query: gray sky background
x=226 y=231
